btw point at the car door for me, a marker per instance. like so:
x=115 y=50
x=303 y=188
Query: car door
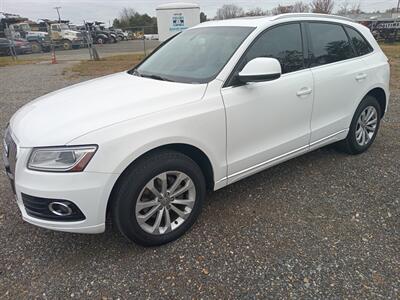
x=268 y=122
x=339 y=81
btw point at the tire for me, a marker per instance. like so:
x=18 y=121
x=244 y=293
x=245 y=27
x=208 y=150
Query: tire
x=100 y=40
x=36 y=47
x=131 y=192
x=352 y=144
x=66 y=45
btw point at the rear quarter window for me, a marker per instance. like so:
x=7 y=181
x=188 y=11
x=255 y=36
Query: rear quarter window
x=359 y=42
x=329 y=43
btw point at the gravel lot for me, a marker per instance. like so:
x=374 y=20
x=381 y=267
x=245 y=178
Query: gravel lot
x=325 y=225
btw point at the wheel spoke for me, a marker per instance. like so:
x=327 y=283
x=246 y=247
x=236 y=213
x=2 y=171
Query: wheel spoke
x=177 y=182
x=187 y=186
x=366 y=136
x=363 y=137
x=156 y=226
x=150 y=186
x=167 y=221
x=363 y=115
x=187 y=202
x=372 y=122
x=141 y=205
x=143 y=218
x=180 y=213
x=359 y=135
x=164 y=182
x=370 y=128
x=368 y=114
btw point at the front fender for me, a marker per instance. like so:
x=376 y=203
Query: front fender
x=200 y=124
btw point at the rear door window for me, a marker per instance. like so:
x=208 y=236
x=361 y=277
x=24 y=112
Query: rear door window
x=329 y=43
x=360 y=44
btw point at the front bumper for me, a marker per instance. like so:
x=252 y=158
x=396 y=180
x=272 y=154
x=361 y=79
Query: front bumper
x=89 y=191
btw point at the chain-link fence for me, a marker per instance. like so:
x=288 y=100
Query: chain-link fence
x=63 y=42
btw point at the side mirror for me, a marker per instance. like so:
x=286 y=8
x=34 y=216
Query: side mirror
x=261 y=69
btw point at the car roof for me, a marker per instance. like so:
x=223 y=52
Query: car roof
x=265 y=21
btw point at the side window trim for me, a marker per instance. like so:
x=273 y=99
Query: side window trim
x=229 y=81
x=371 y=49
x=355 y=52
x=310 y=44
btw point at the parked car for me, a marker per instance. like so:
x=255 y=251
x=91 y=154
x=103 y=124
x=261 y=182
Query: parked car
x=123 y=35
x=5 y=45
x=22 y=46
x=214 y=104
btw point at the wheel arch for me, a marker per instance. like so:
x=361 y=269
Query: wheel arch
x=196 y=154
x=380 y=95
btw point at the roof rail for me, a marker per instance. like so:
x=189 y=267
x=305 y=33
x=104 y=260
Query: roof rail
x=325 y=16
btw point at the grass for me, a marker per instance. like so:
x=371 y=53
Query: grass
x=392 y=51
x=9 y=61
x=104 y=66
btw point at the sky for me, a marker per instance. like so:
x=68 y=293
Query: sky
x=106 y=10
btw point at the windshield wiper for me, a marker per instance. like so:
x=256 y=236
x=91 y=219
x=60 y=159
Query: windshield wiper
x=157 y=77
x=152 y=76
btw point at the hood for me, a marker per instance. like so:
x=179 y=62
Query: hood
x=71 y=32
x=63 y=115
x=37 y=33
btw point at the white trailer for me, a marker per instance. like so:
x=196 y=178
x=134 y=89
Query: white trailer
x=175 y=17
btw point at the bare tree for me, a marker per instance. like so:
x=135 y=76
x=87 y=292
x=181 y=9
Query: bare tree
x=322 y=6
x=257 y=11
x=301 y=7
x=347 y=8
x=282 y=9
x=229 y=11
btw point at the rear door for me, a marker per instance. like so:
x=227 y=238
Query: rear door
x=339 y=80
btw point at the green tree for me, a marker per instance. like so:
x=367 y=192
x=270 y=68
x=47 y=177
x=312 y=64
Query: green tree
x=203 y=17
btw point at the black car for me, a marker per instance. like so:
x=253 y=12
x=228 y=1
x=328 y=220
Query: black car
x=21 y=46
x=5 y=45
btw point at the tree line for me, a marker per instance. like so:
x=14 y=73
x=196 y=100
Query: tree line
x=130 y=18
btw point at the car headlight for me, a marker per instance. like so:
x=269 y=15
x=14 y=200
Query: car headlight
x=61 y=159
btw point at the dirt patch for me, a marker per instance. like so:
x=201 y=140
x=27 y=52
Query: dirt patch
x=104 y=66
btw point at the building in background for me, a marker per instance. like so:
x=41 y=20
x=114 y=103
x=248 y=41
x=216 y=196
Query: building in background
x=175 y=17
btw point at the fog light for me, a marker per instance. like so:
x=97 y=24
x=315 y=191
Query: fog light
x=60 y=209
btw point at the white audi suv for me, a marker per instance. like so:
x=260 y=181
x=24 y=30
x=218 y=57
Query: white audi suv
x=212 y=105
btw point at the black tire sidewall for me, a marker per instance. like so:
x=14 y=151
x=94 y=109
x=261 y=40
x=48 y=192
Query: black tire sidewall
x=351 y=138
x=134 y=181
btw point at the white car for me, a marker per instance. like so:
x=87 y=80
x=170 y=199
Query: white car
x=210 y=106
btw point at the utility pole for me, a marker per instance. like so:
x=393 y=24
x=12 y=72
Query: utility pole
x=57 y=8
x=398 y=5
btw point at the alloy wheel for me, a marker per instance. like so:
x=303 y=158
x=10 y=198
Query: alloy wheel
x=165 y=202
x=366 y=125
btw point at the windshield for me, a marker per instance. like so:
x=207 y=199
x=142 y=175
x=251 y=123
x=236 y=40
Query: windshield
x=194 y=56
x=64 y=27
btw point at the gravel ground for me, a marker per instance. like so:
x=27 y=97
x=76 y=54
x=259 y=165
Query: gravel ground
x=324 y=225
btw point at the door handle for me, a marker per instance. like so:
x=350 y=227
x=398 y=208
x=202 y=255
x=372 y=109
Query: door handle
x=304 y=92
x=361 y=76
